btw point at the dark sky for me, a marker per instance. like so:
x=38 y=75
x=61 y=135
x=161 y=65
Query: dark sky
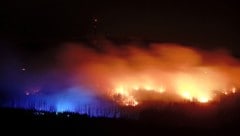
x=204 y=23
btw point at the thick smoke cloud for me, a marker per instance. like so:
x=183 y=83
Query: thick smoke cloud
x=126 y=74
x=129 y=69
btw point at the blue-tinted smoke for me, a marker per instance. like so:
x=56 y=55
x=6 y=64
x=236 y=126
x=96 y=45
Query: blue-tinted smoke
x=35 y=85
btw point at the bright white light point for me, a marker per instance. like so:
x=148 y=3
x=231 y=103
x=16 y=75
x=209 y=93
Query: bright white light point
x=23 y=69
x=203 y=100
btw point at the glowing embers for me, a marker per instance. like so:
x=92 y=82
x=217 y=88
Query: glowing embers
x=194 y=96
x=191 y=91
x=202 y=99
x=194 y=85
x=126 y=100
x=126 y=95
x=233 y=90
x=133 y=96
x=123 y=97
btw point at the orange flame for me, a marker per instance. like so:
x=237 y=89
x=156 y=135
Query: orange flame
x=121 y=72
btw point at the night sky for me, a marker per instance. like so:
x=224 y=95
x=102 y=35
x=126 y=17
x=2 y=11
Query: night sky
x=198 y=23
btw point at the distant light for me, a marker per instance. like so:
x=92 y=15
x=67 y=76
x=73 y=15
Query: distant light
x=95 y=20
x=27 y=93
x=23 y=69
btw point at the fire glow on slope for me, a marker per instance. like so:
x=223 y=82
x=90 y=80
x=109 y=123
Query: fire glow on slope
x=121 y=73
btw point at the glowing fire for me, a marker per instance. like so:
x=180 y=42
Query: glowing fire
x=167 y=69
x=124 y=98
x=191 y=85
x=203 y=100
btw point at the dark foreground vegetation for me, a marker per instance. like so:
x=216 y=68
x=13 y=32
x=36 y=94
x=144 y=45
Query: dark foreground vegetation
x=221 y=118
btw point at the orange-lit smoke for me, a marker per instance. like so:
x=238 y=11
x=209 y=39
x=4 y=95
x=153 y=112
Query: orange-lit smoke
x=130 y=74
